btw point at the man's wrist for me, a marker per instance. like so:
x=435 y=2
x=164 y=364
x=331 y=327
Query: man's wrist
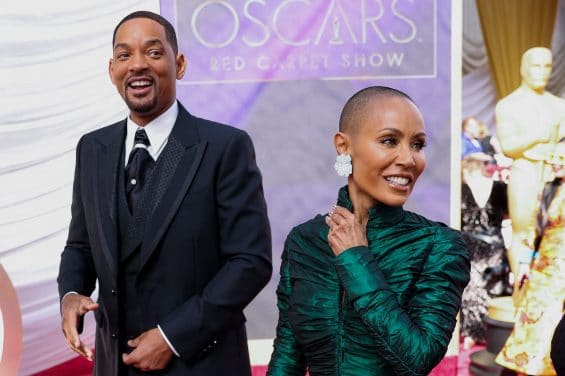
x=168 y=342
x=63 y=298
x=68 y=293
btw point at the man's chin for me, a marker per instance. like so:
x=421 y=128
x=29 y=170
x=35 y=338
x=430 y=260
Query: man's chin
x=141 y=107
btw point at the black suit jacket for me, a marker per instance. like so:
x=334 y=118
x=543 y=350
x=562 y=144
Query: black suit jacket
x=206 y=248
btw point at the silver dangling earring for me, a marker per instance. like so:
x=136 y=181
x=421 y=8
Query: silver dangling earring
x=343 y=165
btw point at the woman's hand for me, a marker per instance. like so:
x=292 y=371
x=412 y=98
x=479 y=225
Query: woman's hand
x=346 y=230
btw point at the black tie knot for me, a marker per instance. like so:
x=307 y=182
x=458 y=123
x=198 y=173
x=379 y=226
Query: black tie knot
x=141 y=139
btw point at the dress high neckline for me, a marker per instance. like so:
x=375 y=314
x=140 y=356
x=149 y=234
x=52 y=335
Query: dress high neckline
x=380 y=214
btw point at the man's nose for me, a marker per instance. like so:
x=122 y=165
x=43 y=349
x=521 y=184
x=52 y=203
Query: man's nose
x=138 y=62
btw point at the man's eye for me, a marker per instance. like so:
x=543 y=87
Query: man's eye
x=155 y=53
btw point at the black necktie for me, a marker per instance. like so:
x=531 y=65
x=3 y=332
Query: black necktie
x=138 y=169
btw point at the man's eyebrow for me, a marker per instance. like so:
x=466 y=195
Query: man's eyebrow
x=149 y=42
x=121 y=45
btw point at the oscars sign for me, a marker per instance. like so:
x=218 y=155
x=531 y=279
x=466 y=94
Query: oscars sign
x=262 y=40
x=10 y=328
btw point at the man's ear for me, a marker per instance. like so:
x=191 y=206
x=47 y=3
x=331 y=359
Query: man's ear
x=342 y=143
x=111 y=70
x=181 y=64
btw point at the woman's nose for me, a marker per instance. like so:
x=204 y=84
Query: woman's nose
x=406 y=156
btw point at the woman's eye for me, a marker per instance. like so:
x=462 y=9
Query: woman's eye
x=389 y=141
x=419 y=145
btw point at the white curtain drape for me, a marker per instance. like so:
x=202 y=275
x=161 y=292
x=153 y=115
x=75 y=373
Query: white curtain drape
x=557 y=80
x=474 y=54
x=54 y=87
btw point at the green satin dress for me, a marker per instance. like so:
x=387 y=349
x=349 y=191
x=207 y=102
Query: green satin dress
x=386 y=309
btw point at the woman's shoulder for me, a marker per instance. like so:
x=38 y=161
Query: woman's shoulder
x=309 y=235
x=312 y=228
x=440 y=230
x=448 y=250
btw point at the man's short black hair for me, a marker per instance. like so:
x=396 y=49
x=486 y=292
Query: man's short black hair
x=355 y=108
x=169 y=29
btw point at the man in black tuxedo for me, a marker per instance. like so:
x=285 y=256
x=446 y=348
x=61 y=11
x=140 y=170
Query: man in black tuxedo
x=168 y=215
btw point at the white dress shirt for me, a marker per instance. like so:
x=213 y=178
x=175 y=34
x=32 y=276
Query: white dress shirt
x=157 y=130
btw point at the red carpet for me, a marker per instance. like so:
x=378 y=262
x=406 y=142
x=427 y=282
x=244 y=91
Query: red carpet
x=449 y=366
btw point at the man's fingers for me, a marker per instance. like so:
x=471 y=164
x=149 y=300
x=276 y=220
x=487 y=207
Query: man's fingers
x=133 y=342
x=87 y=306
x=85 y=350
x=129 y=359
x=70 y=331
x=82 y=350
x=77 y=305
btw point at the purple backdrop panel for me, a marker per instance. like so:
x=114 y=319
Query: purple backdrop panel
x=256 y=40
x=282 y=70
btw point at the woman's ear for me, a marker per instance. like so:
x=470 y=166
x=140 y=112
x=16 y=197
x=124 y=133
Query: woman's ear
x=342 y=142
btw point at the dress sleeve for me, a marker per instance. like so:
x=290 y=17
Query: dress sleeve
x=287 y=358
x=412 y=338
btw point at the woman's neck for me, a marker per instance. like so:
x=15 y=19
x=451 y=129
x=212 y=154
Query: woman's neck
x=361 y=202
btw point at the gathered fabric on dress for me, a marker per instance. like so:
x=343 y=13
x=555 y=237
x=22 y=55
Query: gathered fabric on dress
x=481 y=229
x=386 y=309
x=527 y=349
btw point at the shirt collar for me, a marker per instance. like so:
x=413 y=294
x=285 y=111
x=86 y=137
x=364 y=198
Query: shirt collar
x=158 y=130
x=378 y=215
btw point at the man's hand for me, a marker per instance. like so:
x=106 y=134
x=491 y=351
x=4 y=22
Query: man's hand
x=150 y=352
x=73 y=307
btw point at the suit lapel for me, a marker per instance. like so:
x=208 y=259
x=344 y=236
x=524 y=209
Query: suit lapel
x=177 y=167
x=105 y=165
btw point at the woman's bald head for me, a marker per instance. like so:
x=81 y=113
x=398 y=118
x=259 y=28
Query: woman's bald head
x=355 y=110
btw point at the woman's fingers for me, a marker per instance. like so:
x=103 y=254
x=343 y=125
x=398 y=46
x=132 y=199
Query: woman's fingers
x=345 y=231
x=339 y=216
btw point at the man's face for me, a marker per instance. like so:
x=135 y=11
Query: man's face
x=144 y=68
x=387 y=151
x=536 y=69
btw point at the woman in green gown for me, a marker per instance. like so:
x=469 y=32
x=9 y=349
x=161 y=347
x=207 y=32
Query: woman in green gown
x=370 y=289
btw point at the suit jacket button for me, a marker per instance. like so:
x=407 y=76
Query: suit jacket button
x=115 y=335
x=113 y=292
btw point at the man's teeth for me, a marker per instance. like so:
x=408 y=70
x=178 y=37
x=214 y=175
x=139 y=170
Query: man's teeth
x=398 y=180
x=140 y=83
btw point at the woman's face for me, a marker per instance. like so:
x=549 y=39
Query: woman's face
x=559 y=153
x=387 y=150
